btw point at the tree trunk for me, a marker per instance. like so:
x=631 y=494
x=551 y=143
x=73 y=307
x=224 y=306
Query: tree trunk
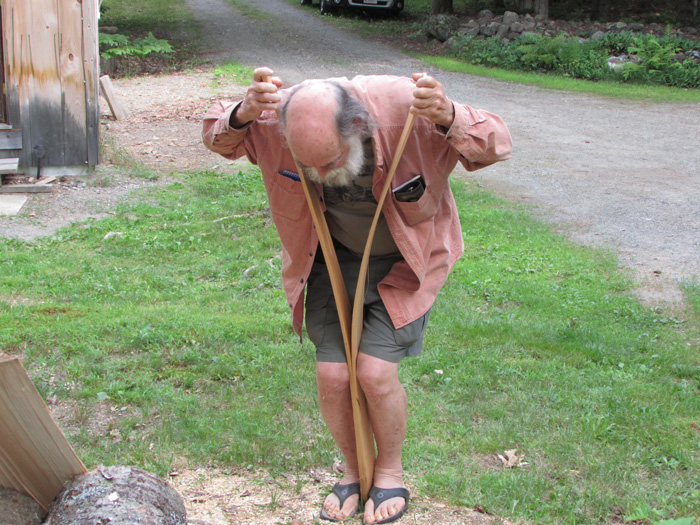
x=19 y=509
x=542 y=8
x=600 y=9
x=526 y=5
x=441 y=6
x=119 y=496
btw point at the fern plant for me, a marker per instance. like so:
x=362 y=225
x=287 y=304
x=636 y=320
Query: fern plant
x=119 y=46
x=655 y=60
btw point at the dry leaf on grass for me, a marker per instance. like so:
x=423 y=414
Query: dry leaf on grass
x=512 y=459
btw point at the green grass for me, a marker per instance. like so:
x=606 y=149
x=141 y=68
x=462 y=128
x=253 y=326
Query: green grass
x=171 y=316
x=248 y=9
x=608 y=89
x=232 y=72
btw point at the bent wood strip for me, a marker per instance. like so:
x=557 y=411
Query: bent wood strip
x=358 y=306
x=364 y=439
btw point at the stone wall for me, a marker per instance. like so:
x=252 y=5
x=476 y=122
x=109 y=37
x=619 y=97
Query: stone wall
x=511 y=25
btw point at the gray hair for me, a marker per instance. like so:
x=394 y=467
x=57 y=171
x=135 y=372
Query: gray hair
x=351 y=116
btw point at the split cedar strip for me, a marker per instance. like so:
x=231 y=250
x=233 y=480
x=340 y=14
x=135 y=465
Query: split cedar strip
x=35 y=457
x=51 y=64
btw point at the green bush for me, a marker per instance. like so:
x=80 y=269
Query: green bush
x=654 y=59
x=119 y=46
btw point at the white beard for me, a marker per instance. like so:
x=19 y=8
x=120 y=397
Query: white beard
x=344 y=175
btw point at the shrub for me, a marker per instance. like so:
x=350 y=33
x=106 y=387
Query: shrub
x=654 y=58
x=119 y=46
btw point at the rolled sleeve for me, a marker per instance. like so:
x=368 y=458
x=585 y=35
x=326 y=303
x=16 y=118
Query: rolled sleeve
x=480 y=137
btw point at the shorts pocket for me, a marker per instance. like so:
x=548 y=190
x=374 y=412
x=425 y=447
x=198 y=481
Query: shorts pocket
x=411 y=333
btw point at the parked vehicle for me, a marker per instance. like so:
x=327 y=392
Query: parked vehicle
x=390 y=7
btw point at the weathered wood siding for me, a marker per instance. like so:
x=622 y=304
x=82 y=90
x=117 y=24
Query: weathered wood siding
x=51 y=61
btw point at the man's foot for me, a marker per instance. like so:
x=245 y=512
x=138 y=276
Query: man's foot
x=385 y=505
x=342 y=503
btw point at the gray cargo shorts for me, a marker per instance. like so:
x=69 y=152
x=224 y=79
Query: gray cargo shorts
x=379 y=337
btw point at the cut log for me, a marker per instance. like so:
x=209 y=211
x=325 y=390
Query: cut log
x=118 y=496
x=19 y=509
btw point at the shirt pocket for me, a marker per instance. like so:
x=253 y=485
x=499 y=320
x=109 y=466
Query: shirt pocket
x=421 y=210
x=287 y=199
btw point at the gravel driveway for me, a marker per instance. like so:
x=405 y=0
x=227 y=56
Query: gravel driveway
x=623 y=175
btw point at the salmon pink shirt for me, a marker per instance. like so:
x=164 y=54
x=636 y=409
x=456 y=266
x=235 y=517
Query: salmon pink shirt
x=427 y=232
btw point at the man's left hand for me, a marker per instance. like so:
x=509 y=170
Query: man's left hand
x=431 y=102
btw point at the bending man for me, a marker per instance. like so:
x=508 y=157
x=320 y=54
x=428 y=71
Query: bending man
x=342 y=134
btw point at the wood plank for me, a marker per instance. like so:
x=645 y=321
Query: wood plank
x=11 y=139
x=35 y=457
x=119 y=112
x=40 y=93
x=71 y=75
x=91 y=66
x=46 y=180
x=26 y=188
x=11 y=45
x=9 y=165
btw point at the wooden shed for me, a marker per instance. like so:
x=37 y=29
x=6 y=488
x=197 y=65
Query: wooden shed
x=49 y=107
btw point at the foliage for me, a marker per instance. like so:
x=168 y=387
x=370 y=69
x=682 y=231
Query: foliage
x=170 y=21
x=656 y=64
x=606 y=88
x=119 y=46
x=653 y=60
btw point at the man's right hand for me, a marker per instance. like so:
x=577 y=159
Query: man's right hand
x=261 y=96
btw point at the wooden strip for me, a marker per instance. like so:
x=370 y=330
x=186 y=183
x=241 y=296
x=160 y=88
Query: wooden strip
x=364 y=439
x=358 y=307
x=35 y=457
x=114 y=105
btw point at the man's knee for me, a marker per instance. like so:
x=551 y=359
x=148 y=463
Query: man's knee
x=377 y=378
x=332 y=378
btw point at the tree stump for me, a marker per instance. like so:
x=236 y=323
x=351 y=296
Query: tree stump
x=118 y=496
x=18 y=509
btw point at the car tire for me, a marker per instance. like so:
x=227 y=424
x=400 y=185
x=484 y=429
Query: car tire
x=305 y=2
x=326 y=7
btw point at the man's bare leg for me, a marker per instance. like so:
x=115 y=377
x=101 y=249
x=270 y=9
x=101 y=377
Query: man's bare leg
x=387 y=405
x=333 y=384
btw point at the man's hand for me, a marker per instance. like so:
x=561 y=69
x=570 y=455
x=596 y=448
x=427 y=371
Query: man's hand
x=261 y=95
x=431 y=102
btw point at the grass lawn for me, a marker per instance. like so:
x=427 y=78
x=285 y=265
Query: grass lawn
x=171 y=313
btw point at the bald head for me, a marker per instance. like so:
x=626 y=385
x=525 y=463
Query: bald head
x=325 y=127
x=310 y=124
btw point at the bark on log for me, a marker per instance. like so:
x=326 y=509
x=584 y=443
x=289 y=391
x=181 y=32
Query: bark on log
x=118 y=496
x=18 y=509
